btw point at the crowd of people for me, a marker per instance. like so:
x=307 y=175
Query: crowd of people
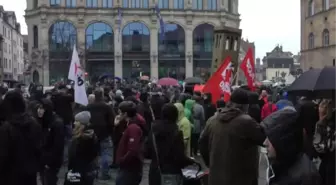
x=171 y=126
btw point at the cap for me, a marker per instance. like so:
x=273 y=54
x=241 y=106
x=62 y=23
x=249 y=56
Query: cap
x=83 y=117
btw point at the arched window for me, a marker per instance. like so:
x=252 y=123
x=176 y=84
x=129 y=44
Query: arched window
x=311 y=41
x=178 y=4
x=212 y=4
x=171 y=52
x=99 y=37
x=35 y=36
x=325 y=37
x=91 y=3
x=164 y=4
x=136 y=37
x=197 y=4
x=311 y=8
x=62 y=36
x=325 y=4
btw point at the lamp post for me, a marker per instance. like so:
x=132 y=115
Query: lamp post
x=118 y=58
x=189 y=56
x=154 y=56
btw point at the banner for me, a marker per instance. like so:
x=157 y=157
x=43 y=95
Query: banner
x=249 y=70
x=220 y=82
x=76 y=74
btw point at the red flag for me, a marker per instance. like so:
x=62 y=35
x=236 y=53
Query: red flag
x=220 y=82
x=248 y=68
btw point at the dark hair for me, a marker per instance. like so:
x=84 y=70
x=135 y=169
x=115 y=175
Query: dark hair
x=169 y=112
x=129 y=108
x=98 y=95
x=220 y=104
x=14 y=103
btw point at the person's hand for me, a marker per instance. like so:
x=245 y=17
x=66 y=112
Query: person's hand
x=46 y=166
x=117 y=120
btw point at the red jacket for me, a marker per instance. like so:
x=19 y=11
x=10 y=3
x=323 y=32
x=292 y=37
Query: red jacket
x=268 y=109
x=130 y=149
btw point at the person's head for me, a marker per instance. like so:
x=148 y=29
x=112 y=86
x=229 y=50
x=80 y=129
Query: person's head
x=325 y=108
x=127 y=110
x=169 y=112
x=253 y=98
x=239 y=99
x=45 y=109
x=82 y=122
x=263 y=93
x=284 y=135
x=91 y=98
x=99 y=95
x=14 y=103
x=220 y=104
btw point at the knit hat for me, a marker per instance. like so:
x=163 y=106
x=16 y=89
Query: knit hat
x=83 y=117
x=240 y=96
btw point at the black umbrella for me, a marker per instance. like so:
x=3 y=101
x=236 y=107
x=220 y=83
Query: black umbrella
x=319 y=82
x=194 y=80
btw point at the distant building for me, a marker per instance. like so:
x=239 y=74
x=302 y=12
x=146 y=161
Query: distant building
x=278 y=64
x=318 y=33
x=11 y=56
x=260 y=70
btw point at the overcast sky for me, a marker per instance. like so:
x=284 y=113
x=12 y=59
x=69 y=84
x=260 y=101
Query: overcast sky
x=265 y=22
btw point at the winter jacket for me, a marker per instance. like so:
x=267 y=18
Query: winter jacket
x=268 y=109
x=63 y=106
x=170 y=147
x=102 y=119
x=130 y=153
x=83 y=152
x=198 y=118
x=184 y=126
x=53 y=143
x=20 y=149
x=229 y=146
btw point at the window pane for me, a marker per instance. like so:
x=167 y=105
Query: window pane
x=145 y=4
x=125 y=3
x=107 y=3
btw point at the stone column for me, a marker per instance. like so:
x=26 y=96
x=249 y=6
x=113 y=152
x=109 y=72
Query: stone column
x=118 y=60
x=154 y=52
x=81 y=45
x=63 y=3
x=44 y=53
x=189 y=52
x=100 y=4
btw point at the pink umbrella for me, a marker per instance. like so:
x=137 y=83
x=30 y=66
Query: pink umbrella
x=168 y=81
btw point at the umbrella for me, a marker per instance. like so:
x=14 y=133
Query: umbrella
x=168 y=81
x=319 y=82
x=194 y=80
x=105 y=75
x=145 y=78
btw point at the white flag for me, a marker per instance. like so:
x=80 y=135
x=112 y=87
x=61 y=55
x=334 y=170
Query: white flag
x=77 y=75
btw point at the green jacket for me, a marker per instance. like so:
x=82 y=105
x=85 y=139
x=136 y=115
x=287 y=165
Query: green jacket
x=184 y=126
x=188 y=105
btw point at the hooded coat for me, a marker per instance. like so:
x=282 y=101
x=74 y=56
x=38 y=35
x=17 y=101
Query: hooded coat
x=291 y=165
x=185 y=126
x=229 y=145
x=188 y=105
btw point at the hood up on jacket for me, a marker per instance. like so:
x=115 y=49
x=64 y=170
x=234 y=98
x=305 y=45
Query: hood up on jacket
x=228 y=113
x=180 y=110
x=286 y=135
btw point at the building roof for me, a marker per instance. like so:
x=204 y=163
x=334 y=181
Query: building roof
x=8 y=14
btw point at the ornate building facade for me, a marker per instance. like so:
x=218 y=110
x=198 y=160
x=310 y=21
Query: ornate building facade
x=128 y=48
x=318 y=33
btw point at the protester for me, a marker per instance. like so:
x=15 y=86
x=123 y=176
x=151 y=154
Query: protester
x=184 y=125
x=188 y=108
x=324 y=142
x=20 y=143
x=198 y=121
x=130 y=151
x=229 y=143
x=169 y=147
x=102 y=121
x=284 y=144
x=268 y=108
x=83 y=152
x=52 y=141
